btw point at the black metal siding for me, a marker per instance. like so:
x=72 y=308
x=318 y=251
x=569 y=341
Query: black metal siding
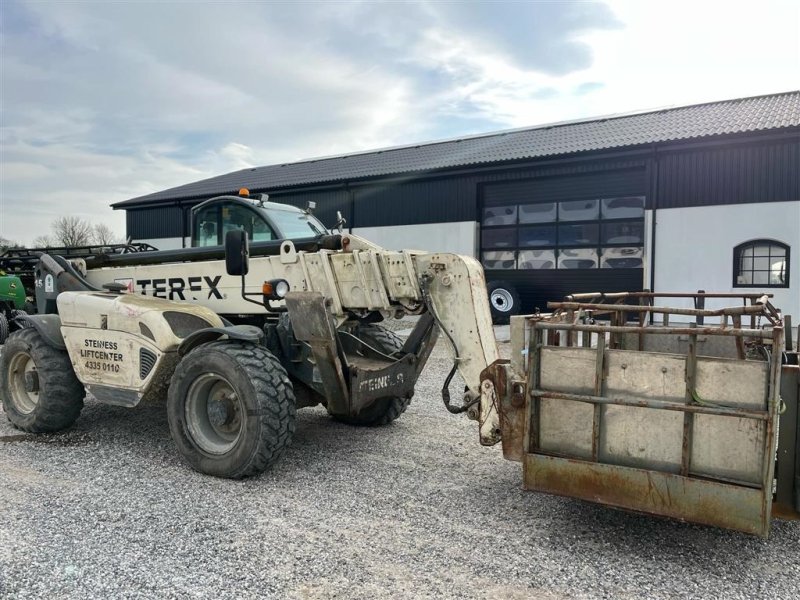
x=580 y=186
x=328 y=202
x=455 y=198
x=436 y=201
x=760 y=171
x=149 y=223
x=731 y=175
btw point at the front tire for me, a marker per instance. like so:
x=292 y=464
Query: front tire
x=231 y=409
x=39 y=389
x=383 y=410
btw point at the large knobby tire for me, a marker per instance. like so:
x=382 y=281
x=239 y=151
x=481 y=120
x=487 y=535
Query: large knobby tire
x=504 y=301
x=383 y=410
x=39 y=389
x=231 y=409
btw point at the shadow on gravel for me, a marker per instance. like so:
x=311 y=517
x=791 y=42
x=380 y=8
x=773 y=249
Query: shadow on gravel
x=64 y=439
x=630 y=533
x=146 y=425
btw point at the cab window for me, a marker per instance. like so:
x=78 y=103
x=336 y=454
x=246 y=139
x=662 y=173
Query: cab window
x=206 y=231
x=214 y=222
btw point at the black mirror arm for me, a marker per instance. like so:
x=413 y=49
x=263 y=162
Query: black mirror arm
x=245 y=295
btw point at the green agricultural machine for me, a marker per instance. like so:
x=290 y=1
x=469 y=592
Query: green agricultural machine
x=12 y=304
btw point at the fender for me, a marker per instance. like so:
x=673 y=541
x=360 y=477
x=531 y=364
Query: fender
x=245 y=333
x=48 y=326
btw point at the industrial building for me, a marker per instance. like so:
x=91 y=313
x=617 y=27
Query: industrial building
x=695 y=197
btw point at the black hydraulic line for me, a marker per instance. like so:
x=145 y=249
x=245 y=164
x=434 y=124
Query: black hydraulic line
x=425 y=287
x=269 y=248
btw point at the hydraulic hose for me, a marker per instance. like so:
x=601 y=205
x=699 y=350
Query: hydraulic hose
x=425 y=282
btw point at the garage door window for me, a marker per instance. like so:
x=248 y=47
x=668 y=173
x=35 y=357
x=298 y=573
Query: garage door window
x=606 y=233
x=762 y=264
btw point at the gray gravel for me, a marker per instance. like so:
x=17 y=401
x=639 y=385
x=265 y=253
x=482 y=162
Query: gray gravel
x=418 y=509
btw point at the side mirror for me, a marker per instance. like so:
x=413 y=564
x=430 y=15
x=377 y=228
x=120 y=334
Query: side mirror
x=237 y=252
x=340 y=221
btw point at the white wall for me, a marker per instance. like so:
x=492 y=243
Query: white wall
x=165 y=243
x=459 y=237
x=694 y=247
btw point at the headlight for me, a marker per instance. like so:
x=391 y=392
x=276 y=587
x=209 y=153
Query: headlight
x=275 y=289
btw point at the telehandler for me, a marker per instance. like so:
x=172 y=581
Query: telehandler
x=695 y=421
x=233 y=387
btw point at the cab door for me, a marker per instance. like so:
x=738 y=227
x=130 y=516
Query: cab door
x=211 y=221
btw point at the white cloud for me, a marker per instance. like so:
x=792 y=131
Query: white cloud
x=106 y=101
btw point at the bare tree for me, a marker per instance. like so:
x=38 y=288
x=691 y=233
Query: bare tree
x=5 y=244
x=42 y=241
x=103 y=235
x=72 y=231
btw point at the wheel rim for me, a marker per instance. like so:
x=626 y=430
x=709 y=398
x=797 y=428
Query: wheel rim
x=23 y=382
x=501 y=300
x=213 y=414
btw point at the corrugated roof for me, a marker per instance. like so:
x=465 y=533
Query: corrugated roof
x=740 y=115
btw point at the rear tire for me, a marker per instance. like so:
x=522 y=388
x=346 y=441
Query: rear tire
x=40 y=391
x=383 y=410
x=231 y=409
x=504 y=301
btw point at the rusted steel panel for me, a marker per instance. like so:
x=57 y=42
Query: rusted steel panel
x=730 y=382
x=568 y=369
x=685 y=436
x=645 y=375
x=652 y=492
x=726 y=448
x=641 y=437
x=511 y=408
x=566 y=427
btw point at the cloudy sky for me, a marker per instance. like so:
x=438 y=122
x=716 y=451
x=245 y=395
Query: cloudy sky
x=104 y=101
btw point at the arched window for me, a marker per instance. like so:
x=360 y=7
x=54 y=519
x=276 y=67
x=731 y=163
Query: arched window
x=761 y=264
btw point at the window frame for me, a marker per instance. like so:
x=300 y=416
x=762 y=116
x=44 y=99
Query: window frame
x=737 y=252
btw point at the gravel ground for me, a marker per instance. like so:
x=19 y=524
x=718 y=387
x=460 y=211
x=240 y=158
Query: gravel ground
x=417 y=509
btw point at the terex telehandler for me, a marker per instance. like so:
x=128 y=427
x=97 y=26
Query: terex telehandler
x=237 y=361
x=696 y=421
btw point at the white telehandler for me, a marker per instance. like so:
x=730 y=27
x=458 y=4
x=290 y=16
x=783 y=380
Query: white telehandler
x=695 y=421
x=232 y=389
